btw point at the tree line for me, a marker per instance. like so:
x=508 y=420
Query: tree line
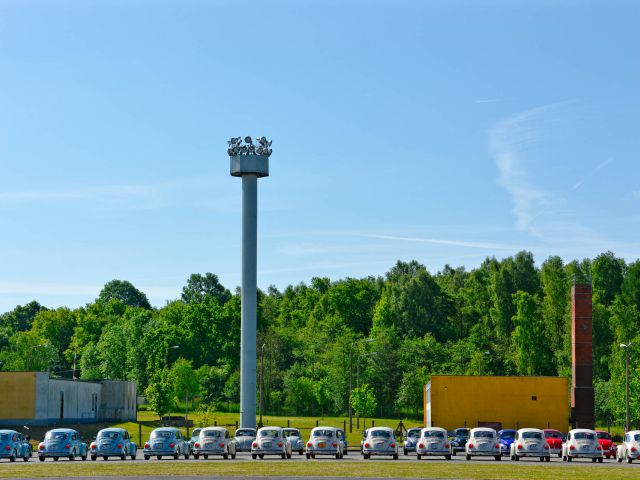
x=381 y=336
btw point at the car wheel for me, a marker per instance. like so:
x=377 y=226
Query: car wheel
x=594 y=460
x=289 y=455
x=283 y=456
x=395 y=456
x=516 y=457
x=468 y=457
x=366 y=456
x=254 y=456
x=41 y=459
x=337 y=456
x=261 y=455
x=186 y=456
x=418 y=456
x=158 y=457
x=206 y=457
x=225 y=456
x=308 y=456
x=176 y=455
x=196 y=456
x=55 y=459
x=300 y=452
x=313 y=455
x=498 y=458
x=547 y=459
x=133 y=456
x=447 y=457
x=569 y=458
x=72 y=457
x=600 y=460
x=560 y=455
x=26 y=459
x=405 y=452
x=629 y=460
x=12 y=458
x=542 y=459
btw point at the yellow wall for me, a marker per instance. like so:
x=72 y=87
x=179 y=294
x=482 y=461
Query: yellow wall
x=508 y=400
x=17 y=395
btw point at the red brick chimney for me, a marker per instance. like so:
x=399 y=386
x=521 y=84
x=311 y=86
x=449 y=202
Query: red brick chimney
x=582 y=397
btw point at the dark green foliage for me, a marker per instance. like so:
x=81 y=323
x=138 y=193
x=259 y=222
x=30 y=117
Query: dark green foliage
x=506 y=317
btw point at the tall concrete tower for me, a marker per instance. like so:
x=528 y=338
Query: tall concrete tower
x=249 y=162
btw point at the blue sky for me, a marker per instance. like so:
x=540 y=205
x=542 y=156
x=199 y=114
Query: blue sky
x=438 y=131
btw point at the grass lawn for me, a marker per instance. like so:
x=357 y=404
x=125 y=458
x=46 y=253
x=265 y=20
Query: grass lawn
x=322 y=468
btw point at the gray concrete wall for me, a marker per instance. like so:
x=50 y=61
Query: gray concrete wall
x=42 y=397
x=118 y=400
x=81 y=401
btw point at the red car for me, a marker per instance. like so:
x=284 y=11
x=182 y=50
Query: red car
x=609 y=449
x=554 y=440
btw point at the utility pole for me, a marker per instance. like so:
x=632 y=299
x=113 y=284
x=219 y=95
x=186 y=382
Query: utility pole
x=628 y=416
x=249 y=163
x=261 y=383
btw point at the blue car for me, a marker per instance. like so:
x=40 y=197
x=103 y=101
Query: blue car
x=166 y=442
x=506 y=438
x=14 y=445
x=345 y=444
x=410 y=442
x=62 y=442
x=113 y=442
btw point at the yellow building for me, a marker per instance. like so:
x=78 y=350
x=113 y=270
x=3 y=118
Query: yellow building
x=452 y=401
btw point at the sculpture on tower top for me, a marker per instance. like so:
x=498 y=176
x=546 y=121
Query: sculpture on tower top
x=239 y=147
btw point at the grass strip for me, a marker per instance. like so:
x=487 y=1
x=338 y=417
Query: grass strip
x=348 y=469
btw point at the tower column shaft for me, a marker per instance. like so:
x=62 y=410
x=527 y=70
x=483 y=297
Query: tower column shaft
x=249 y=297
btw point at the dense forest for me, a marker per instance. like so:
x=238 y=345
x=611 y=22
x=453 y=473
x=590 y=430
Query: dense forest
x=505 y=317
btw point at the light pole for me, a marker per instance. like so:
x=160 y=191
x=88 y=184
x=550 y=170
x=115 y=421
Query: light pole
x=261 y=382
x=368 y=340
x=626 y=350
x=249 y=162
x=166 y=355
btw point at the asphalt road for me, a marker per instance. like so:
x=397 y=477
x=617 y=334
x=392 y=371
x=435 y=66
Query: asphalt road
x=352 y=457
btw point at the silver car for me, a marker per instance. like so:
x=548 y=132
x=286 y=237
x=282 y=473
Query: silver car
x=62 y=442
x=530 y=442
x=295 y=439
x=582 y=443
x=113 y=442
x=629 y=449
x=243 y=439
x=433 y=441
x=214 y=441
x=483 y=442
x=166 y=442
x=345 y=444
x=324 y=441
x=195 y=434
x=413 y=435
x=380 y=441
x=270 y=441
x=14 y=445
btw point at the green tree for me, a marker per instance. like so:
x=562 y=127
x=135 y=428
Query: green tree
x=532 y=354
x=363 y=401
x=183 y=380
x=200 y=286
x=160 y=396
x=124 y=292
x=607 y=273
x=556 y=304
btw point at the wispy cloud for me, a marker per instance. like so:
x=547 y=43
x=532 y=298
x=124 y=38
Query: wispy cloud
x=489 y=100
x=455 y=243
x=599 y=167
x=509 y=138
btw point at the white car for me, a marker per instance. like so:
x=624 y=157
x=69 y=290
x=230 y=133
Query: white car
x=271 y=441
x=214 y=441
x=433 y=441
x=295 y=439
x=380 y=441
x=530 y=442
x=483 y=442
x=629 y=449
x=325 y=441
x=582 y=443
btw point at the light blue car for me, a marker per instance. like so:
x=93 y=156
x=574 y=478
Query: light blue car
x=62 y=442
x=14 y=445
x=293 y=435
x=113 y=442
x=166 y=442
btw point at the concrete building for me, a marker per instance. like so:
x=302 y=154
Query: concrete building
x=452 y=401
x=33 y=398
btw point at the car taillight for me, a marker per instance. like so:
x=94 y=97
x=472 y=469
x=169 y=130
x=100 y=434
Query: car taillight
x=421 y=445
x=633 y=449
x=497 y=445
x=309 y=444
x=280 y=444
x=119 y=445
x=519 y=447
x=334 y=444
x=471 y=445
x=572 y=447
x=172 y=445
x=599 y=447
x=67 y=446
x=254 y=444
x=222 y=444
x=546 y=447
x=366 y=444
x=146 y=445
x=446 y=445
x=7 y=447
x=197 y=445
x=93 y=445
x=41 y=446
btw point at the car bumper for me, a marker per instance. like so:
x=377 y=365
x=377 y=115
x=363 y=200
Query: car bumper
x=263 y=451
x=484 y=453
x=54 y=454
x=209 y=451
x=534 y=454
x=160 y=452
x=585 y=455
x=431 y=452
x=322 y=451
x=371 y=451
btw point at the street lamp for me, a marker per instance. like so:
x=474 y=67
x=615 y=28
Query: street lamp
x=626 y=350
x=368 y=340
x=261 y=382
x=166 y=355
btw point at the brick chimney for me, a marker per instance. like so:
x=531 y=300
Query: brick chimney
x=582 y=397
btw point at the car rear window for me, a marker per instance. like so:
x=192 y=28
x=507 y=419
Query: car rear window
x=211 y=433
x=109 y=435
x=380 y=433
x=508 y=435
x=413 y=433
x=245 y=433
x=636 y=437
x=483 y=434
x=4 y=437
x=433 y=433
x=291 y=433
x=531 y=435
x=323 y=433
x=604 y=436
x=269 y=433
x=583 y=436
x=162 y=434
x=552 y=434
x=57 y=436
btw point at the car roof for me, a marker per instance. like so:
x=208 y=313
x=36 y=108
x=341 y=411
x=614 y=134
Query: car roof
x=112 y=429
x=482 y=429
x=8 y=431
x=530 y=429
x=579 y=430
x=218 y=429
x=551 y=430
x=508 y=430
x=324 y=428
x=270 y=428
x=380 y=428
x=440 y=429
x=63 y=430
x=173 y=429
